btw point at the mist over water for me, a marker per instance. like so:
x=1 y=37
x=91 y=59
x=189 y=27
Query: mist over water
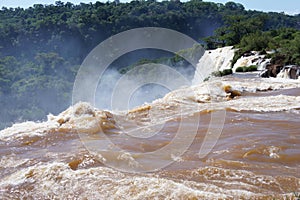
x=105 y=88
x=146 y=94
x=134 y=61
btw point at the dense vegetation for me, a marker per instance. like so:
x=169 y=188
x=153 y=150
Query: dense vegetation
x=285 y=44
x=42 y=47
x=250 y=34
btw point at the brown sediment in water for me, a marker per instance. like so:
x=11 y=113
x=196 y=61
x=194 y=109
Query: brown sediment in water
x=257 y=155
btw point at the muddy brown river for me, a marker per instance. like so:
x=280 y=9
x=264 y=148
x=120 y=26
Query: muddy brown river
x=229 y=138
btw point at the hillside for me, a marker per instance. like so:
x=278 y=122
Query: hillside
x=42 y=47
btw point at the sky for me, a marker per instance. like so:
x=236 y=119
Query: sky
x=288 y=6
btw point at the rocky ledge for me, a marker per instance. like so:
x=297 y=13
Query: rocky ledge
x=220 y=60
x=279 y=71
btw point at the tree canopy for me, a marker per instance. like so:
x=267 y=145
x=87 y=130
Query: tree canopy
x=41 y=47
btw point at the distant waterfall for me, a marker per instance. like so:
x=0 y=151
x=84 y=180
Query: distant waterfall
x=213 y=60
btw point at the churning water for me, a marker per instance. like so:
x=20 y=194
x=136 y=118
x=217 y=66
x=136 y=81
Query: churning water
x=257 y=155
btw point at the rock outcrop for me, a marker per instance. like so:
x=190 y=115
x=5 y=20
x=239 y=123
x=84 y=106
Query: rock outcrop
x=220 y=59
x=279 y=71
x=290 y=71
x=252 y=58
x=271 y=71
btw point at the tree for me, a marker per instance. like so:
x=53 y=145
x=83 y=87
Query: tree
x=235 y=28
x=41 y=47
x=234 y=6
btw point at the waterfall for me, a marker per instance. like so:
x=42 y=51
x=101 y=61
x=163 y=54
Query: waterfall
x=213 y=60
x=284 y=73
x=253 y=59
x=289 y=72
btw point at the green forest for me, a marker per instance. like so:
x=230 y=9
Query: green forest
x=42 y=47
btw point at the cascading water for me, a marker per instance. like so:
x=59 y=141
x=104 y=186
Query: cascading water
x=213 y=60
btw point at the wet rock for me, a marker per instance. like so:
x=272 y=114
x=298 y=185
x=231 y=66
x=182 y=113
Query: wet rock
x=231 y=93
x=271 y=71
x=290 y=71
x=279 y=71
x=264 y=74
x=249 y=53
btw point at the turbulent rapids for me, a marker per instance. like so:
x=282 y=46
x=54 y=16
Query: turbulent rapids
x=257 y=155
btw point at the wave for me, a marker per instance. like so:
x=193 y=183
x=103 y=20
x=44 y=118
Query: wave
x=58 y=181
x=218 y=94
x=47 y=160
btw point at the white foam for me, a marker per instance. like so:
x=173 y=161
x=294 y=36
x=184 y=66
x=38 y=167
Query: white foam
x=261 y=84
x=81 y=117
x=27 y=129
x=265 y=104
x=208 y=95
x=11 y=161
x=214 y=95
x=58 y=180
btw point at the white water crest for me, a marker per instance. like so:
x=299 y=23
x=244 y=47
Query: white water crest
x=205 y=96
x=58 y=181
